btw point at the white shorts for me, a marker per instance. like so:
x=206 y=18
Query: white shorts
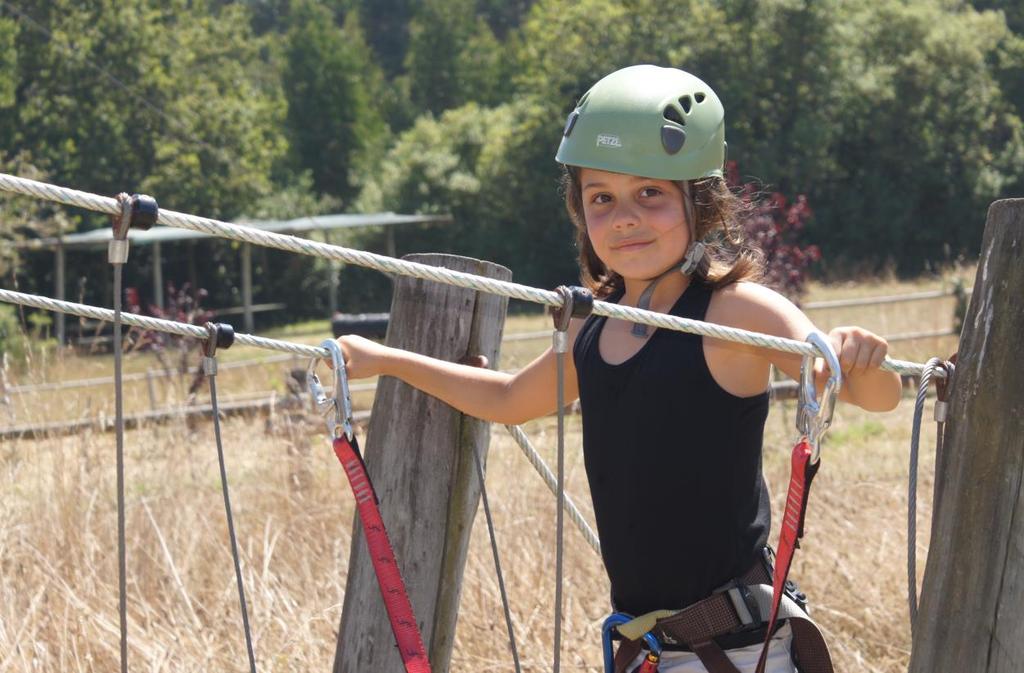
x=744 y=658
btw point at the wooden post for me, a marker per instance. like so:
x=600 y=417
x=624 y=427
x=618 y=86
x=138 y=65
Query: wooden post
x=333 y=267
x=151 y=388
x=972 y=608
x=419 y=453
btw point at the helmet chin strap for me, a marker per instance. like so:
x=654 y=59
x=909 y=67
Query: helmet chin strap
x=690 y=263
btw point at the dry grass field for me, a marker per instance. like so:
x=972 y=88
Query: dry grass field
x=293 y=513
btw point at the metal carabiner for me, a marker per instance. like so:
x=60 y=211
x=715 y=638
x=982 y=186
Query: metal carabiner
x=617 y=619
x=338 y=409
x=814 y=416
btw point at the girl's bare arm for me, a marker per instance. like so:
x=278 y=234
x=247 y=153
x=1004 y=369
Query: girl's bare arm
x=492 y=395
x=757 y=308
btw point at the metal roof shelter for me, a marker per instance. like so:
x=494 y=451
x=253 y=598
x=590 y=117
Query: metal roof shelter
x=159 y=235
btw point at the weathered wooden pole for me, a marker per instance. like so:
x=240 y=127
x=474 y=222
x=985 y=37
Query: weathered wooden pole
x=419 y=453
x=247 y=319
x=972 y=609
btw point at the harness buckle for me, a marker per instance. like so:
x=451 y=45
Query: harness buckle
x=814 y=416
x=797 y=596
x=745 y=605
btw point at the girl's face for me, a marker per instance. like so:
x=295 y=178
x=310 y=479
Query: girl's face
x=637 y=225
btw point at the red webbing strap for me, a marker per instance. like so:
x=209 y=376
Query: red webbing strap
x=389 y=578
x=800 y=478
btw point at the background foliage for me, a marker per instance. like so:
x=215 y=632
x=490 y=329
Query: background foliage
x=898 y=120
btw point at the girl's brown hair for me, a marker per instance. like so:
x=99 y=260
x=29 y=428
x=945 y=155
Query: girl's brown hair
x=718 y=215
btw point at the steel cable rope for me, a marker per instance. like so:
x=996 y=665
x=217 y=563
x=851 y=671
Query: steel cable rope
x=122 y=552
x=137 y=95
x=560 y=346
x=497 y=560
x=156 y=324
x=210 y=369
x=549 y=478
x=197 y=332
x=390 y=265
x=933 y=365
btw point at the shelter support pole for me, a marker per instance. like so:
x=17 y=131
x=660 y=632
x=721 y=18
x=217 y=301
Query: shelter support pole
x=58 y=292
x=419 y=453
x=333 y=266
x=247 y=286
x=158 y=275
x=972 y=606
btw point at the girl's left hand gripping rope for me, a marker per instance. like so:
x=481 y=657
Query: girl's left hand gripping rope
x=389 y=579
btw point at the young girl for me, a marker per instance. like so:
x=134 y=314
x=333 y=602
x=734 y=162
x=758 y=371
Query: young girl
x=672 y=422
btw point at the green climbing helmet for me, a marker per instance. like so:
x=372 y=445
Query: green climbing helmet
x=646 y=120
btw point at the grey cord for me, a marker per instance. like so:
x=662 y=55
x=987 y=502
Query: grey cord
x=497 y=561
x=915 y=440
x=212 y=375
x=559 y=546
x=122 y=572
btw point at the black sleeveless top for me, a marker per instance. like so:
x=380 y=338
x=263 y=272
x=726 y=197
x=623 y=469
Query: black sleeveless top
x=674 y=464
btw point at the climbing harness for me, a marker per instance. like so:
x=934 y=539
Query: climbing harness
x=222 y=335
x=141 y=212
x=338 y=410
x=737 y=611
x=577 y=302
x=941 y=410
x=762 y=596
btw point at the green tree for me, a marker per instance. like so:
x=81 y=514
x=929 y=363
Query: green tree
x=474 y=163
x=899 y=131
x=169 y=98
x=139 y=94
x=453 y=57
x=926 y=138
x=1012 y=9
x=8 y=62
x=503 y=16
x=332 y=121
x=23 y=218
x=387 y=30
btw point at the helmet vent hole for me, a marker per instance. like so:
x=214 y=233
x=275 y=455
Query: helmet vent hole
x=685 y=102
x=672 y=114
x=570 y=122
x=672 y=138
x=699 y=97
